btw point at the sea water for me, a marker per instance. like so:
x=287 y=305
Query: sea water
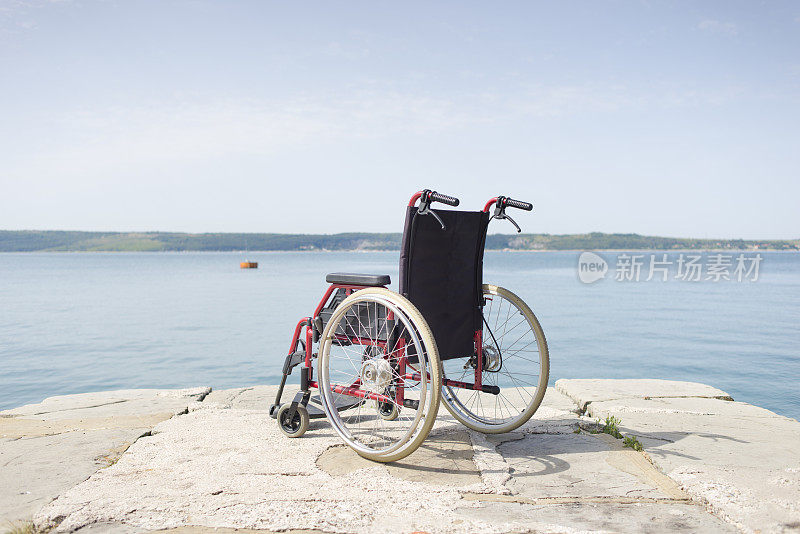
x=79 y=322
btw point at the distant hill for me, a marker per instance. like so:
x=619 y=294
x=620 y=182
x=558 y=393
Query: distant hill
x=54 y=240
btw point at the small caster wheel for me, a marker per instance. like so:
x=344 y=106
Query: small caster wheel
x=298 y=424
x=387 y=410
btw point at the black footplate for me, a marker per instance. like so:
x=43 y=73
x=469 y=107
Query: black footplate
x=315 y=410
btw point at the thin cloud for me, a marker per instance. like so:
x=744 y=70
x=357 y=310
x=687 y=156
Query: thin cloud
x=89 y=142
x=717 y=26
x=92 y=141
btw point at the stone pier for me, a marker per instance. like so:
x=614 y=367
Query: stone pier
x=191 y=461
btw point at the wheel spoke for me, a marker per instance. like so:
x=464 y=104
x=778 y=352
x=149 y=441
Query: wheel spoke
x=511 y=334
x=367 y=359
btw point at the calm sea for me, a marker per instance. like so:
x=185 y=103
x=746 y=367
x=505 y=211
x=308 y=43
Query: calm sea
x=72 y=323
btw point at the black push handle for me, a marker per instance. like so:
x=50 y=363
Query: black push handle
x=527 y=206
x=444 y=199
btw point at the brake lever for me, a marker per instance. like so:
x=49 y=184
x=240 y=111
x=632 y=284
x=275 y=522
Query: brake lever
x=425 y=209
x=519 y=230
x=436 y=216
x=500 y=213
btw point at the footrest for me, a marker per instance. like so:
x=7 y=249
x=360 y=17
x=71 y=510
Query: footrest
x=315 y=409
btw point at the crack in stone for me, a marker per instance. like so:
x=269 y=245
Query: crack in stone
x=12 y=459
x=548 y=432
x=490 y=497
x=74 y=409
x=581 y=410
x=289 y=474
x=718 y=397
x=239 y=394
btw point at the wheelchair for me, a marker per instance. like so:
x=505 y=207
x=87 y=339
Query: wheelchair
x=385 y=360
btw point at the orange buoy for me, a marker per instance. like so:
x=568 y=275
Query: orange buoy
x=249 y=265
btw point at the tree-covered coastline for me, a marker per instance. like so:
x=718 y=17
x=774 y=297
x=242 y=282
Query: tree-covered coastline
x=73 y=241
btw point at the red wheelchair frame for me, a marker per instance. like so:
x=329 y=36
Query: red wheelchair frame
x=313 y=331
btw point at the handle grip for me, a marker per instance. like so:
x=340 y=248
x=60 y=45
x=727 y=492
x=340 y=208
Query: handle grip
x=527 y=206
x=445 y=199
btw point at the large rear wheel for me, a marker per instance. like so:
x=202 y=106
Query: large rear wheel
x=361 y=353
x=515 y=358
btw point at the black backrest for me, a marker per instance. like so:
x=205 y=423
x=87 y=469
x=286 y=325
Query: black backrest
x=441 y=273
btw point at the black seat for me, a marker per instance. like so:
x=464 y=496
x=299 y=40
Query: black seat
x=358 y=279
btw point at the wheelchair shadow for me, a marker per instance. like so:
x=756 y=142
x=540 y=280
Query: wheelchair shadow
x=446 y=457
x=442 y=460
x=321 y=427
x=655 y=442
x=449 y=453
x=533 y=454
x=539 y=454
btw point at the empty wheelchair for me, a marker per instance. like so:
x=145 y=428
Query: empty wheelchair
x=385 y=360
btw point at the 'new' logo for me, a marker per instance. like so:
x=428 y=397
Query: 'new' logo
x=591 y=267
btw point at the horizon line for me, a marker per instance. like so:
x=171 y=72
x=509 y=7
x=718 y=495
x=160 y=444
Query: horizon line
x=396 y=233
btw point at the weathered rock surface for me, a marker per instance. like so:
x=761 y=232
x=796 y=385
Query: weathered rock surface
x=742 y=460
x=598 y=516
x=249 y=398
x=574 y=466
x=121 y=528
x=587 y=390
x=49 y=447
x=224 y=466
x=444 y=459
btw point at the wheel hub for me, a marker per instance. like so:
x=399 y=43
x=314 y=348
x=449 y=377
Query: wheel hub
x=376 y=374
x=491 y=358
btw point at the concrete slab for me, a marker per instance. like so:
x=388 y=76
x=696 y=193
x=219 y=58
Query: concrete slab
x=207 y=530
x=106 y=527
x=580 y=465
x=556 y=415
x=48 y=447
x=556 y=400
x=248 y=398
x=706 y=432
x=741 y=460
x=34 y=471
x=121 y=528
x=230 y=467
x=598 y=515
x=444 y=459
x=105 y=404
x=233 y=468
x=586 y=390
x=225 y=467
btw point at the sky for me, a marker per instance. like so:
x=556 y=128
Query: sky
x=659 y=118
